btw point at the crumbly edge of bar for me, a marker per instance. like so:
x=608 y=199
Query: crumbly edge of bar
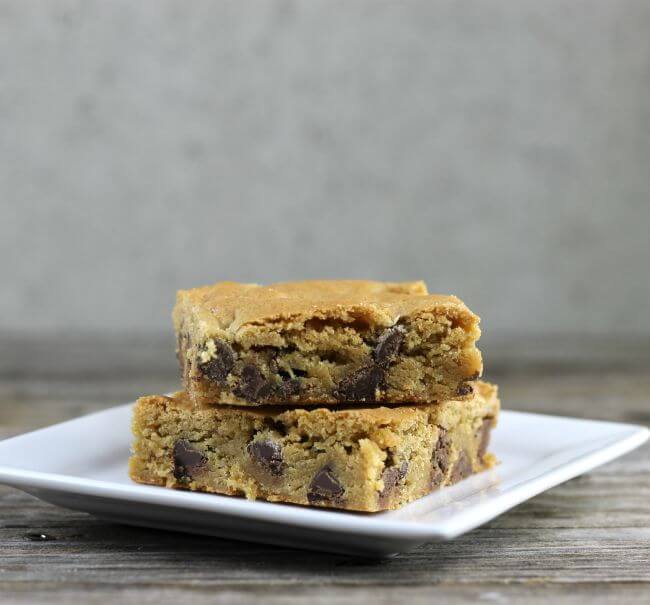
x=351 y=460
x=427 y=357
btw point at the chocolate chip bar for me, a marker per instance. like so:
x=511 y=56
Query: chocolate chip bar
x=356 y=458
x=325 y=343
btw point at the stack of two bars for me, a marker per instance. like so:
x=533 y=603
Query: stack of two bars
x=346 y=394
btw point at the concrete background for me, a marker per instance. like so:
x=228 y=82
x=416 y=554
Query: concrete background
x=500 y=150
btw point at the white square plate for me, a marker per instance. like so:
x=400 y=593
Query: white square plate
x=82 y=464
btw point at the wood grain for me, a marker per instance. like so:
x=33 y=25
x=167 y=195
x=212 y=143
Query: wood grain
x=586 y=540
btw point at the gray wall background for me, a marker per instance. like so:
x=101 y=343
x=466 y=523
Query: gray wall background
x=500 y=150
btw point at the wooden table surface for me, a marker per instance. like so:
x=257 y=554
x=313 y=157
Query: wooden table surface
x=587 y=540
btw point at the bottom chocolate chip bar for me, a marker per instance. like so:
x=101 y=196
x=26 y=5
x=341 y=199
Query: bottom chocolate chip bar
x=364 y=459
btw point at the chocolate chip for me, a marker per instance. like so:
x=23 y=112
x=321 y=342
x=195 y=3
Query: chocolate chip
x=187 y=461
x=278 y=426
x=325 y=488
x=484 y=431
x=392 y=477
x=436 y=477
x=462 y=468
x=267 y=454
x=295 y=371
x=465 y=389
x=441 y=452
x=388 y=345
x=360 y=385
x=440 y=459
x=218 y=368
x=286 y=388
x=252 y=384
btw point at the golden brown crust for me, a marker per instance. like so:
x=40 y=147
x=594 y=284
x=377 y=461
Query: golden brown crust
x=230 y=306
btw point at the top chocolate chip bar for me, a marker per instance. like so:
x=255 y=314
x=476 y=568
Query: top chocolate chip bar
x=324 y=343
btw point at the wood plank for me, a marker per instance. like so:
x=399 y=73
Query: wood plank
x=197 y=594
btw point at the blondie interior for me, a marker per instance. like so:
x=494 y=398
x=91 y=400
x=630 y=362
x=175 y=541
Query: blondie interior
x=359 y=458
x=324 y=343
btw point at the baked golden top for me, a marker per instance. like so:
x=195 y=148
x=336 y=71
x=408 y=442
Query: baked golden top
x=230 y=305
